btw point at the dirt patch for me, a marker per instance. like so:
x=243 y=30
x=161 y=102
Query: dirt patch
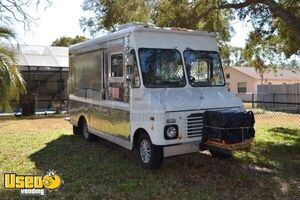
x=278 y=119
x=34 y=126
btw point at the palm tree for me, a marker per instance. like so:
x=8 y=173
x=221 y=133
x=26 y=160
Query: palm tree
x=11 y=81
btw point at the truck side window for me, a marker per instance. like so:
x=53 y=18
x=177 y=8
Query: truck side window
x=117 y=65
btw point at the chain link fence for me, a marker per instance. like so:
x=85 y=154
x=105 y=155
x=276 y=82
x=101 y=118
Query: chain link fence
x=274 y=109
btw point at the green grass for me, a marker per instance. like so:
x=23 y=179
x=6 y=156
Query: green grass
x=103 y=170
x=275 y=147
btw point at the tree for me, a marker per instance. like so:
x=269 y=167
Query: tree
x=237 y=57
x=275 y=23
x=269 y=17
x=276 y=13
x=68 y=41
x=11 y=81
x=15 y=9
x=276 y=27
x=108 y=14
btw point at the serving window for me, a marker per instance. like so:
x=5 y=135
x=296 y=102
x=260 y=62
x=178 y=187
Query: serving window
x=116 y=81
x=117 y=65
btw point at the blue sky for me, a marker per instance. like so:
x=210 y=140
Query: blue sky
x=62 y=19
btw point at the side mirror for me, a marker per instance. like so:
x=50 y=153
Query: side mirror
x=129 y=60
x=129 y=77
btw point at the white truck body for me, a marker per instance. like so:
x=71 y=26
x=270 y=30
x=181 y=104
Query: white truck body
x=117 y=110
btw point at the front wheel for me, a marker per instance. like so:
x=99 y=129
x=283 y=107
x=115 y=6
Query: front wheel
x=86 y=134
x=150 y=156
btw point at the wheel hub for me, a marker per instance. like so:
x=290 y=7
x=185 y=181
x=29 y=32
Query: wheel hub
x=145 y=151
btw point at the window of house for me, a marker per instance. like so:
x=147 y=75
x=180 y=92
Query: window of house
x=242 y=87
x=117 y=65
x=227 y=75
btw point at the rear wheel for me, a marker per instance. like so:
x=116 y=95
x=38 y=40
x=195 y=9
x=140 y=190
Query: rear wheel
x=86 y=134
x=150 y=156
x=220 y=155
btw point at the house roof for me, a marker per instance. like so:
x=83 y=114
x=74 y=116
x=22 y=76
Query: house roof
x=279 y=74
x=42 y=56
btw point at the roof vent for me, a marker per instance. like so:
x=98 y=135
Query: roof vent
x=133 y=24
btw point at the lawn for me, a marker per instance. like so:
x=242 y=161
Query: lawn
x=103 y=170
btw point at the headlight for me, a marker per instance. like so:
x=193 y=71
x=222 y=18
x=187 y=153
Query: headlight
x=171 y=132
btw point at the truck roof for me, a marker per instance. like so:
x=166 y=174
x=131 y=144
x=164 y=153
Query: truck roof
x=128 y=28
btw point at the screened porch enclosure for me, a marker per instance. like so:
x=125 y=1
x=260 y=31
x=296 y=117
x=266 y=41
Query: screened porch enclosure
x=45 y=71
x=48 y=86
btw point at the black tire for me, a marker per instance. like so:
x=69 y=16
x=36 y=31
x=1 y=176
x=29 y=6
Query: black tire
x=86 y=134
x=220 y=155
x=156 y=157
x=76 y=130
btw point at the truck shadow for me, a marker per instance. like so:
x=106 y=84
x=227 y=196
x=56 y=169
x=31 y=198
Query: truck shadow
x=108 y=168
x=286 y=131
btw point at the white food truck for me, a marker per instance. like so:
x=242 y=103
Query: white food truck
x=147 y=88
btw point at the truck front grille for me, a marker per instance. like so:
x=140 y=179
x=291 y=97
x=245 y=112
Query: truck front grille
x=194 y=125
